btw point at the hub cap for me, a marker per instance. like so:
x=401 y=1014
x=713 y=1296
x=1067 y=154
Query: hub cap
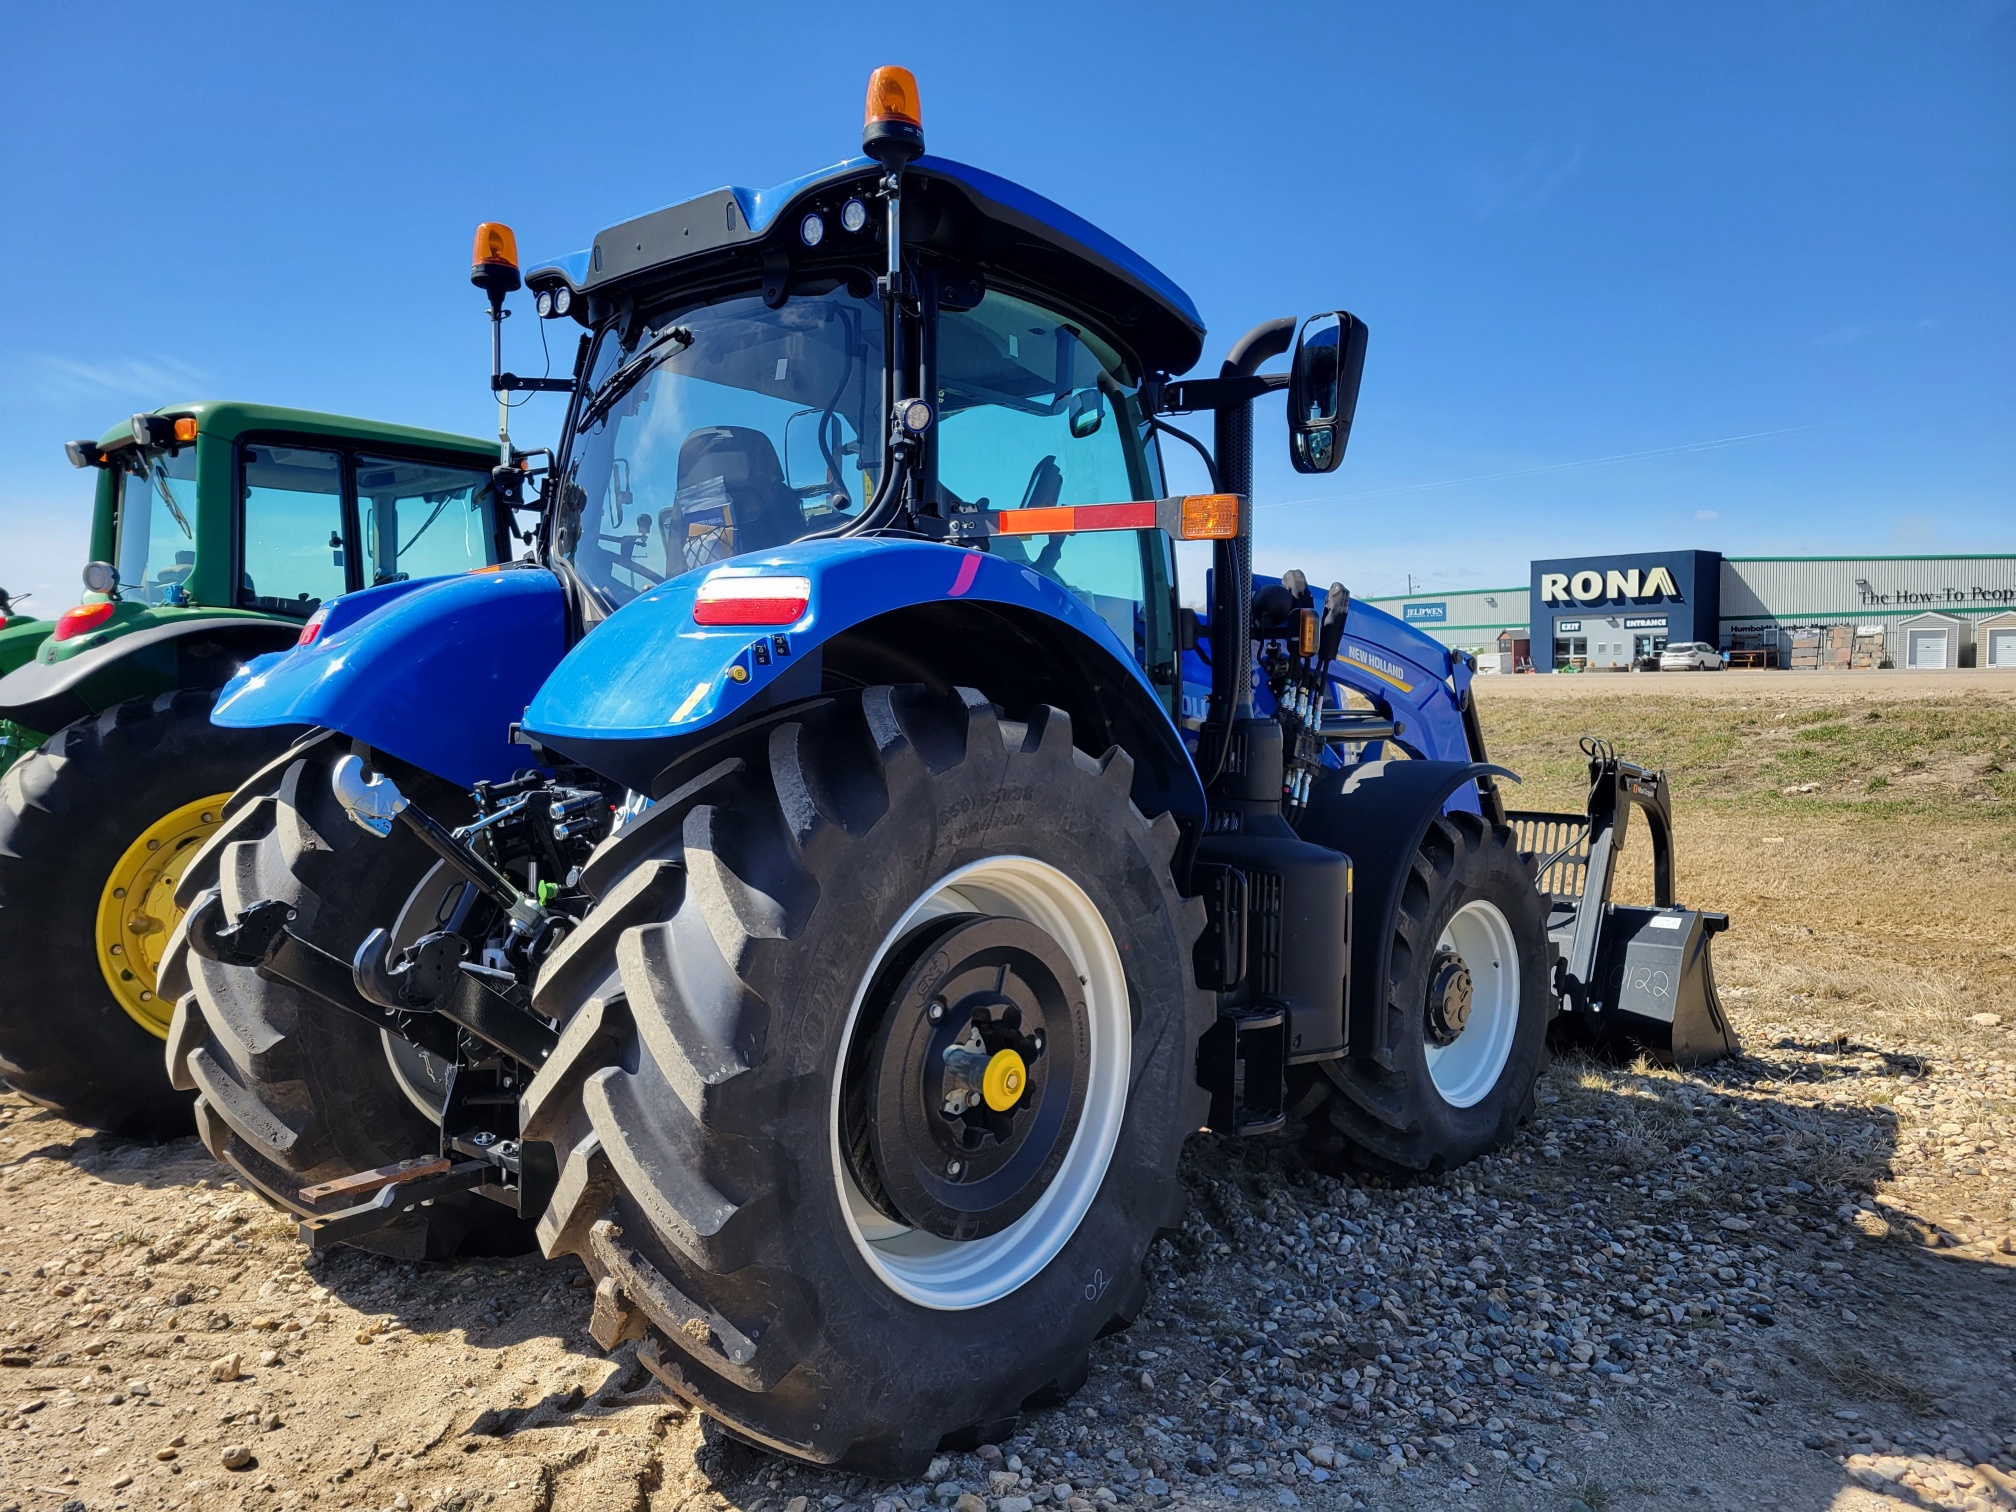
x=1472 y=1011
x=137 y=912
x=982 y=1083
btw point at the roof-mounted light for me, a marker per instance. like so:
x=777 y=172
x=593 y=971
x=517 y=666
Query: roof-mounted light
x=493 y=261
x=752 y=600
x=892 y=130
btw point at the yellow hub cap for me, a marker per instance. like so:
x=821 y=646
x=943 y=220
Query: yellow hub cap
x=137 y=912
x=1006 y=1077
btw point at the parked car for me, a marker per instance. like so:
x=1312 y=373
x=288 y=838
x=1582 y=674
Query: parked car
x=1690 y=656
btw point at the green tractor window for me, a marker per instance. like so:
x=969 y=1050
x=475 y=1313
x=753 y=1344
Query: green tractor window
x=423 y=519
x=156 y=548
x=291 y=556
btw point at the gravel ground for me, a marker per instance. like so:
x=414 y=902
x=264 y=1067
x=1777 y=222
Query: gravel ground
x=1670 y=1287
x=1786 y=1280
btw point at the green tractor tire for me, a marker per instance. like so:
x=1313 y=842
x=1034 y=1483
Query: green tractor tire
x=96 y=828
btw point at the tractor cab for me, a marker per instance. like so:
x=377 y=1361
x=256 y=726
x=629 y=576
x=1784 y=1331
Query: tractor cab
x=233 y=523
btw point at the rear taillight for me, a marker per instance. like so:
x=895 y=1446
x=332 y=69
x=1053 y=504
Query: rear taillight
x=313 y=629
x=752 y=601
x=81 y=620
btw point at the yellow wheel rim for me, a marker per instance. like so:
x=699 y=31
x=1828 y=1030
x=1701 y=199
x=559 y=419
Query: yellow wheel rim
x=1006 y=1077
x=137 y=912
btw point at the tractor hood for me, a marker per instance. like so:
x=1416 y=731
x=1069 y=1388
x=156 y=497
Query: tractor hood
x=633 y=695
x=434 y=672
x=1012 y=237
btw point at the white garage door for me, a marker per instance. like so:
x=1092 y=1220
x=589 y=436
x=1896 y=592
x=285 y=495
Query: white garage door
x=2002 y=648
x=1928 y=650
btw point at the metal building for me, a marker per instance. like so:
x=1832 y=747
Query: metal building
x=1608 y=612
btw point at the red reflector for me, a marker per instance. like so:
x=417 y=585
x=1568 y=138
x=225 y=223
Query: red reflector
x=752 y=601
x=81 y=620
x=312 y=629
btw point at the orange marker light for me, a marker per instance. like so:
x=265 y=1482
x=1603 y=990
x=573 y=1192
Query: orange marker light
x=185 y=428
x=493 y=262
x=892 y=96
x=1210 y=517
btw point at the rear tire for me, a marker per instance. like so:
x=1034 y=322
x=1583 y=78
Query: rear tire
x=1450 y=1096
x=291 y=1092
x=72 y=813
x=748 y=1002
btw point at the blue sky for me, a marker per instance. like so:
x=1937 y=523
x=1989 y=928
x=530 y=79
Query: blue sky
x=1637 y=277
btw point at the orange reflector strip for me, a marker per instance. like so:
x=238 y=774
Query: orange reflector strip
x=185 y=428
x=752 y=601
x=1067 y=518
x=1210 y=517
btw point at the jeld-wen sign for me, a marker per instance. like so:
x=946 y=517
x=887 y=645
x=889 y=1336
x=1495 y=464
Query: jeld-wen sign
x=1590 y=586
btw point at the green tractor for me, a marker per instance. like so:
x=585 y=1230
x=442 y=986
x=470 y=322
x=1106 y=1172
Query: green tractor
x=218 y=529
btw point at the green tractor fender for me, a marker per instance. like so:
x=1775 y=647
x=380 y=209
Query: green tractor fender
x=186 y=651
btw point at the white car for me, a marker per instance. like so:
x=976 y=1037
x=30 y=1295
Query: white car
x=1690 y=656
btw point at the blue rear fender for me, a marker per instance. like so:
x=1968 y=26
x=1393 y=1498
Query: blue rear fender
x=651 y=684
x=432 y=672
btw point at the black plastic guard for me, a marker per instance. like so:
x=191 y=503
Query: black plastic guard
x=1376 y=813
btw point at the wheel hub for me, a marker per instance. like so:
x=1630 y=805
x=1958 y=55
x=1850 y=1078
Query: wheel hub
x=964 y=1106
x=1449 y=998
x=137 y=911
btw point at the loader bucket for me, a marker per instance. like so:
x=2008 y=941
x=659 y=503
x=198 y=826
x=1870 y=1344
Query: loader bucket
x=1630 y=979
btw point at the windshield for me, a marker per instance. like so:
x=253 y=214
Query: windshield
x=156 y=546
x=732 y=427
x=742 y=431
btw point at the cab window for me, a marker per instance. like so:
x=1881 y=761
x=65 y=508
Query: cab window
x=291 y=546
x=423 y=519
x=1036 y=412
x=156 y=548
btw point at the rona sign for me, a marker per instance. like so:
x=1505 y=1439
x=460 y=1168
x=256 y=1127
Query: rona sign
x=1604 y=595
x=1591 y=586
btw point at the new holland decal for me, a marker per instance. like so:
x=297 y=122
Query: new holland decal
x=1386 y=671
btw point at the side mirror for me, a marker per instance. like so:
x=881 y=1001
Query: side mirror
x=1323 y=390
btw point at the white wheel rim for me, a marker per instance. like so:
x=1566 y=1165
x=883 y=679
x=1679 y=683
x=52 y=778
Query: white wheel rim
x=953 y=1275
x=1465 y=1070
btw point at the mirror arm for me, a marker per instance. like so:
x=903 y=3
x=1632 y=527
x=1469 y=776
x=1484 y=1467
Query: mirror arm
x=1232 y=561
x=1188 y=395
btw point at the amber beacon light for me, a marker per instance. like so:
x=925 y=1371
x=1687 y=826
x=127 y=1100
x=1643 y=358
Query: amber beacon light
x=493 y=263
x=892 y=128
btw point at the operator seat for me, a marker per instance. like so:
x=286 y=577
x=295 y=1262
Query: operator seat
x=732 y=471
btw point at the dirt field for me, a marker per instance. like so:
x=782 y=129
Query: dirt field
x=1788 y=1280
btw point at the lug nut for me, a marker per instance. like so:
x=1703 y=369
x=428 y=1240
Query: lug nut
x=953 y=1168
x=936 y=1011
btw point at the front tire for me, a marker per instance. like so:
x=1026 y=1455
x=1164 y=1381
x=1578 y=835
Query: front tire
x=1468 y=996
x=96 y=828
x=291 y=1091
x=780 y=1154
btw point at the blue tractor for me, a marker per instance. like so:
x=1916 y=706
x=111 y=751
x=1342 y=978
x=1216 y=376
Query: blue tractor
x=826 y=891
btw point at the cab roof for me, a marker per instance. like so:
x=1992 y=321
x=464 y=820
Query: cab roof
x=1014 y=237
x=233 y=417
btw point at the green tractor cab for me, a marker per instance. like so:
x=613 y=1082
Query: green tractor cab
x=217 y=530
